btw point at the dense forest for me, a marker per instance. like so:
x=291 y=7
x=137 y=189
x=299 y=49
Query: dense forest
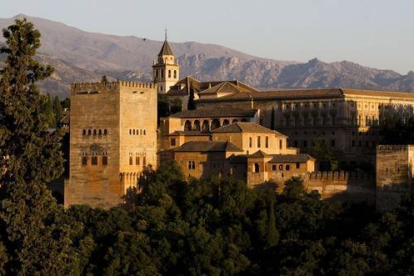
x=170 y=227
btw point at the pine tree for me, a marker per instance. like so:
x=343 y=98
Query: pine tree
x=36 y=241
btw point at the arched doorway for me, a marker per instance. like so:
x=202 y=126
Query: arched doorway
x=226 y=122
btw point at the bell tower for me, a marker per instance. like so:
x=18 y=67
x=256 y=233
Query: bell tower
x=165 y=69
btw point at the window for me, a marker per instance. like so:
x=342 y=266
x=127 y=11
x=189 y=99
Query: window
x=169 y=73
x=130 y=160
x=258 y=142
x=273 y=167
x=191 y=165
x=84 y=160
x=267 y=142
x=100 y=132
x=105 y=132
x=162 y=75
x=353 y=143
x=133 y=132
x=94 y=132
x=173 y=142
x=89 y=132
x=280 y=144
x=94 y=160
x=175 y=74
x=333 y=143
x=297 y=165
x=256 y=167
x=144 y=161
x=250 y=142
x=140 y=132
x=288 y=167
x=84 y=132
x=130 y=131
x=145 y=132
x=137 y=161
x=280 y=167
x=105 y=160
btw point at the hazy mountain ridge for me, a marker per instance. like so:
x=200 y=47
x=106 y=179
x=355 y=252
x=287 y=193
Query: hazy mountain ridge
x=84 y=56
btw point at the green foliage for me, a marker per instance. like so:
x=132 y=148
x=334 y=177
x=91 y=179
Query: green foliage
x=169 y=226
x=29 y=152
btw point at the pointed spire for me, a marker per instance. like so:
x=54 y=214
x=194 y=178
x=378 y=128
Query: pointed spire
x=166 y=49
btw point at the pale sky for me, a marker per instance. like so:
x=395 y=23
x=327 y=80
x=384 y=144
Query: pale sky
x=374 y=33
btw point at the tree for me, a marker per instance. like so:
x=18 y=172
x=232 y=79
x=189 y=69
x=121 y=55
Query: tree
x=29 y=157
x=57 y=110
x=29 y=152
x=191 y=103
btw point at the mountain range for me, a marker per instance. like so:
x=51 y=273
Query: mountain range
x=80 y=56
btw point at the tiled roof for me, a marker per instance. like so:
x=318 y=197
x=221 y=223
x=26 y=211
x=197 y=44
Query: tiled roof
x=216 y=112
x=291 y=158
x=166 y=49
x=190 y=133
x=308 y=94
x=245 y=127
x=208 y=146
x=259 y=154
x=183 y=86
x=225 y=87
x=238 y=159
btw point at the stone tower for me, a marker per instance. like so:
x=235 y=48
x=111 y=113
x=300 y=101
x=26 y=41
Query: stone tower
x=166 y=71
x=112 y=139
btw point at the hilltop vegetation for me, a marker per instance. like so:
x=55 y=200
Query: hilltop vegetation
x=172 y=227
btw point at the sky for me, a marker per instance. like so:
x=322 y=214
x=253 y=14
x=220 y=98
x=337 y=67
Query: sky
x=374 y=33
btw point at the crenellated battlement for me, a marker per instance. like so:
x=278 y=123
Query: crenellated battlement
x=98 y=87
x=338 y=176
x=137 y=84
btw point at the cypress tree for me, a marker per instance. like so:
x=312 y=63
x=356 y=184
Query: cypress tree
x=37 y=243
x=273 y=235
x=57 y=110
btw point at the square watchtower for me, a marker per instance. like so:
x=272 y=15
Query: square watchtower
x=113 y=137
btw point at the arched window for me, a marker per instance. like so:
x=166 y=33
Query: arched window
x=169 y=73
x=84 y=160
x=130 y=160
x=105 y=160
x=94 y=160
x=267 y=142
x=256 y=167
x=215 y=124
x=258 y=142
x=84 y=132
x=205 y=126
x=145 y=133
x=187 y=126
x=89 y=132
x=226 y=122
x=144 y=161
x=133 y=132
x=288 y=167
x=130 y=131
x=280 y=167
x=196 y=125
x=175 y=74
x=94 y=132
x=273 y=167
x=250 y=142
x=105 y=132
x=100 y=132
x=137 y=161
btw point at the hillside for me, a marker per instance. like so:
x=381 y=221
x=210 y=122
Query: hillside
x=84 y=56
